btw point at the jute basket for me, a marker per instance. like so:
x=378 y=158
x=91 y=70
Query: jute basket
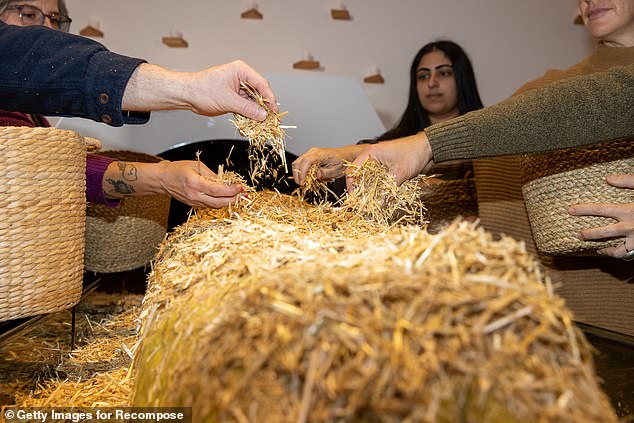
x=42 y=212
x=448 y=200
x=126 y=237
x=555 y=181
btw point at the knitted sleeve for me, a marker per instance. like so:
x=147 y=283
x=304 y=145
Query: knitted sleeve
x=574 y=112
x=96 y=166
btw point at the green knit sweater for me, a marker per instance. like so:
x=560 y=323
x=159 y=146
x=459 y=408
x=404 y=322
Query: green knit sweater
x=574 y=112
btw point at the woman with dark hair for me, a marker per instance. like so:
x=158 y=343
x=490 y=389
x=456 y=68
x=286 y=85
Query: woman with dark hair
x=442 y=86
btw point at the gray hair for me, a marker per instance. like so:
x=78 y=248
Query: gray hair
x=61 y=5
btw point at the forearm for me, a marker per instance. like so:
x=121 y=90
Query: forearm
x=188 y=181
x=124 y=179
x=152 y=87
x=572 y=113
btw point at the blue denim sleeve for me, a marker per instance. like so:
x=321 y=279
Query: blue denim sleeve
x=55 y=73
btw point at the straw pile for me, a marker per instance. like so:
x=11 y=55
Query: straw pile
x=37 y=368
x=266 y=138
x=276 y=310
x=314 y=188
x=377 y=196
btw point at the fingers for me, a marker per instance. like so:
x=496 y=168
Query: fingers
x=215 y=91
x=349 y=182
x=210 y=192
x=615 y=211
x=621 y=180
x=361 y=158
x=618 y=212
x=610 y=252
x=602 y=232
x=300 y=168
x=249 y=108
x=404 y=163
x=621 y=251
x=219 y=189
x=263 y=87
x=194 y=184
x=356 y=163
x=330 y=164
x=247 y=74
x=330 y=170
x=218 y=195
x=623 y=214
x=374 y=152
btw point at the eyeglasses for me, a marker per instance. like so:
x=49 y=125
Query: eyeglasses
x=31 y=15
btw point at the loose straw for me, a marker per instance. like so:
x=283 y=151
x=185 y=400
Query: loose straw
x=264 y=137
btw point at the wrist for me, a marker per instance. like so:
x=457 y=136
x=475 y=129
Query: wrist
x=351 y=152
x=153 y=177
x=152 y=87
x=426 y=153
x=421 y=151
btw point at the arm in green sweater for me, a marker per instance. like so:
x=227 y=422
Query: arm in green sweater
x=571 y=113
x=574 y=112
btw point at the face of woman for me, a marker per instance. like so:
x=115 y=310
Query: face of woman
x=436 y=86
x=12 y=16
x=611 y=21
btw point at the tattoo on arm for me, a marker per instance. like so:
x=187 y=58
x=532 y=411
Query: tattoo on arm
x=121 y=187
x=124 y=185
x=128 y=171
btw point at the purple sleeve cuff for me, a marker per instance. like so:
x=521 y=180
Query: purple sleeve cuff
x=95 y=169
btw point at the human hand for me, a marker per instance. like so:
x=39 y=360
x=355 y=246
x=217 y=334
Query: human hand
x=404 y=157
x=331 y=162
x=193 y=183
x=217 y=91
x=623 y=213
x=210 y=92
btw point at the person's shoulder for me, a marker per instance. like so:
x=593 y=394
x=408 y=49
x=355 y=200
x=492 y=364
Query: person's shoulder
x=604 y=58
x=554 y=75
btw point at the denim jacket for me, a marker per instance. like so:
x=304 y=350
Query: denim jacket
x=55 y=73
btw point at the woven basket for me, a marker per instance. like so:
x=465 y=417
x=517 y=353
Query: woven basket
x=555 y=181
x=126 y=237
x=448 y=200
x=42 y=209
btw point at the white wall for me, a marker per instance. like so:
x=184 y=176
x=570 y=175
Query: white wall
x=509 y=41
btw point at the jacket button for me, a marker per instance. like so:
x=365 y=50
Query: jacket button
x=105 y=118
x=103 y=98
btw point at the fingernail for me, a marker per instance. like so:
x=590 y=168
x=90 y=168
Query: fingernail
x=580 y=236
x=261 y=114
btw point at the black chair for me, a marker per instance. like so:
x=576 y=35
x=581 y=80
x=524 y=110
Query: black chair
x=233 y=154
